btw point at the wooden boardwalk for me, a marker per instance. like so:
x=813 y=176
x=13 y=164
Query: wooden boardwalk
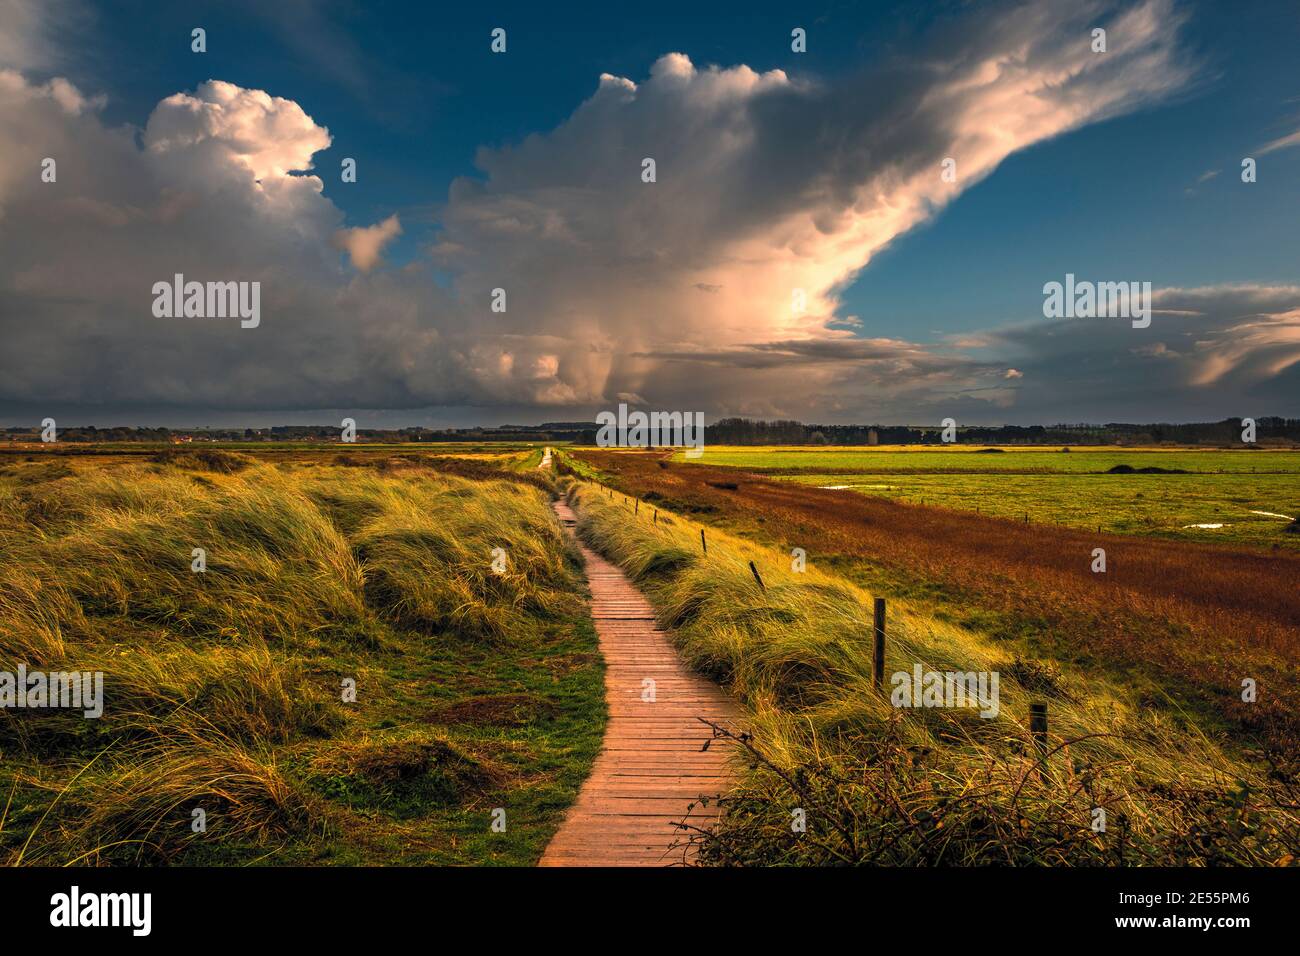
x=652 y=765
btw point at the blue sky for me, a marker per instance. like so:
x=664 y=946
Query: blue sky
x=412 y=92
x=1122 y=198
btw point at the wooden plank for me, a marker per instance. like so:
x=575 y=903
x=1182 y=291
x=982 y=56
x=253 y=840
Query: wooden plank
x=652 y=770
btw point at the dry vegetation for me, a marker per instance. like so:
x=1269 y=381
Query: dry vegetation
x=1175 y=619
x=479 y=690
x=880 y=785
x=223 y=688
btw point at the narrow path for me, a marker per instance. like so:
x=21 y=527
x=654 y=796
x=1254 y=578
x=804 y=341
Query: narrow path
x=653 y=764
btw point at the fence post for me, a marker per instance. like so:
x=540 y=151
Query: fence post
x=761 y=585
x=703 y=544
x=656 y=516
x=1038 y=725
x=879 y=657
x=637 y=510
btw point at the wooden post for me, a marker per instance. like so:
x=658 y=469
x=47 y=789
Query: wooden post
x=637 y=510
x=761 y=585
x=703 y=544
x=879 y=659
x=1038 y=730
x=1038 y=725
x=656 y=516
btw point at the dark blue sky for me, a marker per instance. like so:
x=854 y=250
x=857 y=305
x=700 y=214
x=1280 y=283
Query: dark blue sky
x=412 y=90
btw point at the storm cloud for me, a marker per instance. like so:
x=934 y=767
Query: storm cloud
x=715 y=287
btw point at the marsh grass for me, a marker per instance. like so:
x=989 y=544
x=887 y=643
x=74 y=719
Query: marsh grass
x=928 y=786
x=460 y=529
x=222 y=688
x=1167 y=619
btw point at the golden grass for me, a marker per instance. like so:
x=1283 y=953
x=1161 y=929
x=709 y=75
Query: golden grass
x=210 y=677
x=799 y=655
x=1193 y=618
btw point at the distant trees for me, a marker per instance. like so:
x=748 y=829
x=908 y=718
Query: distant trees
x=726 y=431
x=744 y=431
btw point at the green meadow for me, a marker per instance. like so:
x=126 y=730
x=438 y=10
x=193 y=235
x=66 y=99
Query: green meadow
x=1250 y=495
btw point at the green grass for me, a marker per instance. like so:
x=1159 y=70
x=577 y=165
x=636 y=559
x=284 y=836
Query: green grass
x=1222 y=487
x=884 y=785
x=1045 y=459
x=474 y=690
x=1160 y=505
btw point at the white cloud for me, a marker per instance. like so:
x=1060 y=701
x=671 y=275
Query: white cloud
x=767 y=184
x=233 y=127
x=675 y=293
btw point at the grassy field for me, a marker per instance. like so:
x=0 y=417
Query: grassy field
x=1251 y=496
x=279 y=450
x=226 y=690
x=936 y=786
x=1178 y=620
x=1008 y=458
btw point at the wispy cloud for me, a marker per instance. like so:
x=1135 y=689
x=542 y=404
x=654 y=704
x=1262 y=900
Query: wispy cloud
x=1282 y=142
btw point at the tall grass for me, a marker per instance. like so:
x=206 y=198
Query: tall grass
x=886 y=785
x=1185 y=618
x=461 y=527
x=122 y=544
x=213 y=680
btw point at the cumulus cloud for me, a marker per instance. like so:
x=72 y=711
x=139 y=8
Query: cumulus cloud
x=767 y=186
x=234 y=133
x=678 y=293
x=364 y=244
x=1209 y=352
